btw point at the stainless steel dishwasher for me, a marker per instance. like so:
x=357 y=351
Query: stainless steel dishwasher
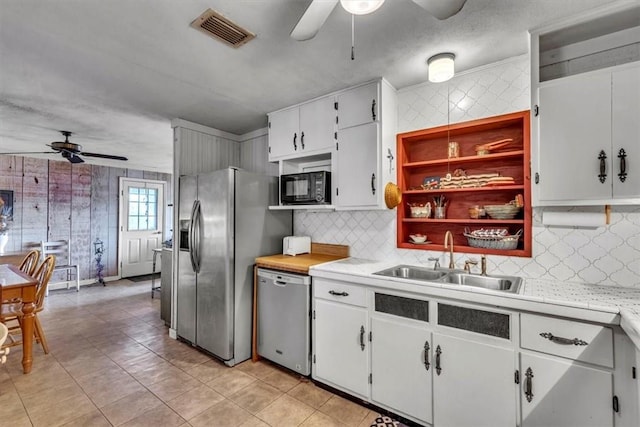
x=284 y=319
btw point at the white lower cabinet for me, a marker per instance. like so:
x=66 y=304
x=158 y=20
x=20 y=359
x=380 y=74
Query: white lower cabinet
x=559 y=392
x=452 y=363
x=340 y=338
x=401 y=367
x=473 y=383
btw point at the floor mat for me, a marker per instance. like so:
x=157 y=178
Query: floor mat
x=384 y=421
x=143 y=278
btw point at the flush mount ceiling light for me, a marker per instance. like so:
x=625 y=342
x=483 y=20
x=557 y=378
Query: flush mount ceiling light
x=361 y=7
x=441 y=67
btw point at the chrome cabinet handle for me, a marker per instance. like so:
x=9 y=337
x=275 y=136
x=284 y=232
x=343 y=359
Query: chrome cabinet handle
x=373 y=110
x=528 y=384
x=622 y=155
x=339 y=294
x=373 y=183
x=362 y=338
x=563 y=341
x=426 y=355
x=603 y=166
x=302 y=140
x=438 y=353
x=295 y=137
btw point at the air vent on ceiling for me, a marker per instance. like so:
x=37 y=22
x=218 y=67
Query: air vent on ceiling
x=215 y=25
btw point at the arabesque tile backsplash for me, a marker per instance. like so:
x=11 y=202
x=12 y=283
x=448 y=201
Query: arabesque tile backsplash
x=606 y=255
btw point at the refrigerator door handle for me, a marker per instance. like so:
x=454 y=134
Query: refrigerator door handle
x=192 y=225
x=197 y=237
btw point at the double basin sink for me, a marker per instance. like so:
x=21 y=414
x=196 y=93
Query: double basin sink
x=454 y=277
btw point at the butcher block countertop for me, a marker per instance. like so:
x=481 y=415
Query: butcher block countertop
x=320 y=253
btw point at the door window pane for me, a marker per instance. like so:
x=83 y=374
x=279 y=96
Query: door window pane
x=142 y=209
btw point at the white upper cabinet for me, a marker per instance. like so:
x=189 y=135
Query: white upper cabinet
x=575 y=127
x=358 y=106
x=366 y=145
x=588 y=138
x=303 y=130
x=350 y=133
x=585 y=91
x=357 y=177
x=284 y=126
x=626 y=133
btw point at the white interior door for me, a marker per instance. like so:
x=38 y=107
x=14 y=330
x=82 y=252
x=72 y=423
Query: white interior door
x=141 y=224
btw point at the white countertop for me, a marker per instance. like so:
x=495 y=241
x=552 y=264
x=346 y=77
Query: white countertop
x=605 y=304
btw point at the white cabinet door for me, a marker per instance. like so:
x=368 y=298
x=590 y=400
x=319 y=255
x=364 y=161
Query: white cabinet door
x=563 y=393
x=358 y=180
x=317 y=125
x=575 y=126
x=341 y=346
x=358 y=106
x=284 y=138
x=475 y=385
x=626 y=131
x=401 y=367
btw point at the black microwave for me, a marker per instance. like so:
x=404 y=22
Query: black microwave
x=309 y=188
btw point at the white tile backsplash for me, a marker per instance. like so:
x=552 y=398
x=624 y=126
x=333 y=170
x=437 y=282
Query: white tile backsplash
x=606 y=256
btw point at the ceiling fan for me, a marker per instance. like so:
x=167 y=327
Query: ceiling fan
x=71 y=151
x=319 y=10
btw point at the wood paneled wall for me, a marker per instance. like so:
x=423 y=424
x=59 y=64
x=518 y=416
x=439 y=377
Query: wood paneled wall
x=200 y=152
x=254 y=154
x=57 y=200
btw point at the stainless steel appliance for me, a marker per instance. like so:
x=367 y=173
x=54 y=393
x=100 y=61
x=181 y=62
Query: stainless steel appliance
x=284 y=319
x=225 y=224
x=306 y=188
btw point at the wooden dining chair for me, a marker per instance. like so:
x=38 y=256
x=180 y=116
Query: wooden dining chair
x=4 y=332
x=12 y=312
x=30 y=262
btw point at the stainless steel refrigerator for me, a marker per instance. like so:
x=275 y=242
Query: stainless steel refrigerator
x=224 y=224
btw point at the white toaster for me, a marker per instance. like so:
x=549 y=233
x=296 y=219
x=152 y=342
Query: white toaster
x=296 y=245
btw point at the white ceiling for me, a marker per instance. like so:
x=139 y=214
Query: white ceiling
x=116 y=72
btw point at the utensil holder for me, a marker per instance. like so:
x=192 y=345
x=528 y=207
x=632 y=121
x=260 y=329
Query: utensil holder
x=440 y=212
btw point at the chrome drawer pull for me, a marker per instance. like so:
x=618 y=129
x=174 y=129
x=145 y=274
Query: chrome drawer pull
x=563 y=341
x=339 y=294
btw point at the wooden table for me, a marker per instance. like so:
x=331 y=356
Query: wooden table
x=16 y=284
x=14 y=258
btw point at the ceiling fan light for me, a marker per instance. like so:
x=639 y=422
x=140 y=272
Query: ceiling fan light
x=361 y=7
x=441 y=67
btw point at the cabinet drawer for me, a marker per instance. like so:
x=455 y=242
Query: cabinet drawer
x=574 y=340
x=340 y=292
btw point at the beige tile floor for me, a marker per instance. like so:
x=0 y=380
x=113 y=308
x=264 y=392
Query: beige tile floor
x=111 y=362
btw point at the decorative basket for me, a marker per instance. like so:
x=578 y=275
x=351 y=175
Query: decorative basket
x=507 y=211
x=492 y=239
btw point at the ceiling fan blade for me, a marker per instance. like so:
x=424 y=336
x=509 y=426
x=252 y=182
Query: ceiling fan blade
x=441 y=9
x=103 y=156
x=28 y=152
x=312 y=19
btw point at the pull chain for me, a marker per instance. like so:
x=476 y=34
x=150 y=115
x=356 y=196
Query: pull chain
x=448 y=129
x=353 y=37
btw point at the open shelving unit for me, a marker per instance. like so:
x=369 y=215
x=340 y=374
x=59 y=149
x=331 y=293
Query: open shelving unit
x=424 y=153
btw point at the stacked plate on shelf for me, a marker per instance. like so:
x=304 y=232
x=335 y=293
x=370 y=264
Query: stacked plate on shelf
x=507 y=211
